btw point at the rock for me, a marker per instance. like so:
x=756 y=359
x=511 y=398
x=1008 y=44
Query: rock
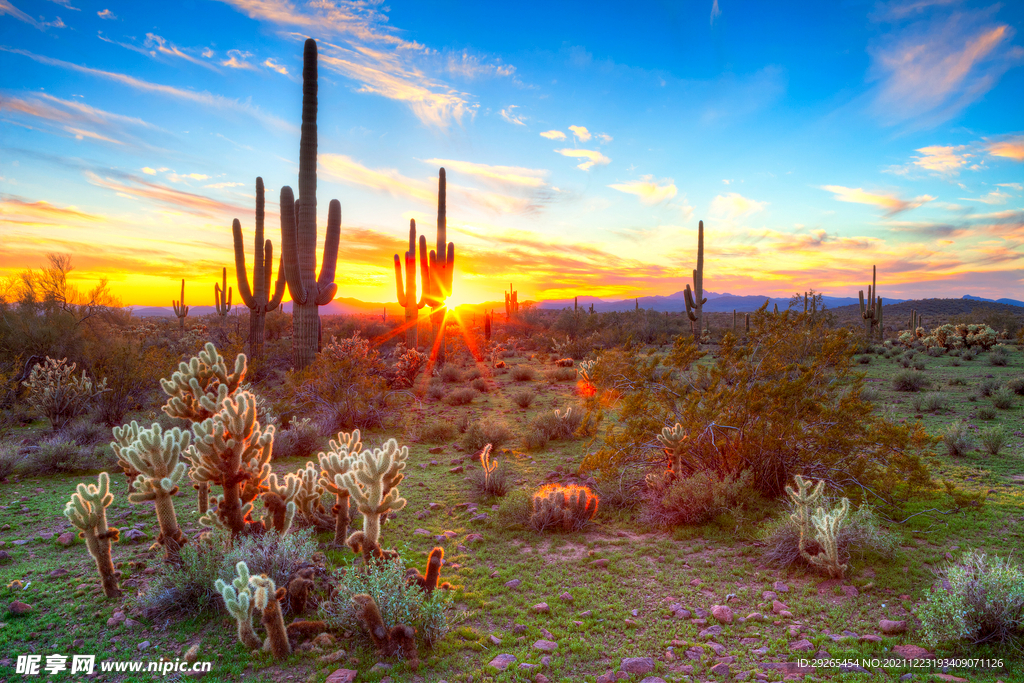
x=457 y=470
x=720 y=669
x=46 y=535
x=754 y=616
x=436 y=449
x=342 y=676
x=695 y=582
x=682 y=614
x=541 y=608
x=545 y=661
x=135 y=535
x=77 y=643
x=653 y=679
x=637 y=665
x=868 y=638
x=60 y=571
x=130 y=623
x=852 y=668
x=778 y=607
x=541 y=678
x=601 y=563
x=545 y=646
x=518 y=628
x=192 y=654
x=514 y=583
x=907 y=677
x=780 y=587
x=586 y=614
x=769 y=595
x=474 y=538
x=21 y=542
x=17 y=607
x=144 y=645
x=710 y=632
x=802 y=645
x=334 y=657
x=722 y=614
x=891 y=628
x=912 y=652
x=324 y=640
x=5 y=556
x=502 y=662
x=566 y=597
x=526 y=666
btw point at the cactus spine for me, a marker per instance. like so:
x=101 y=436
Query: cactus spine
x=156 y=455
x=238 y=599
x=407 y=294
x=87 y=510
x=334 y=464
x=511 y=302
x=222 y=295
x=180 y=309
x=872 y=311
x=298 y=231
x=372 y=482
x=267 y=599
x=258 y=300
x=440 y=269
x=695 y=300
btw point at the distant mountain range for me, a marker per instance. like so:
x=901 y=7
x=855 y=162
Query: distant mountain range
x=673 y=303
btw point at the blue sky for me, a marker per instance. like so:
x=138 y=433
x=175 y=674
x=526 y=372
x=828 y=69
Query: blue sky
x=582 y=142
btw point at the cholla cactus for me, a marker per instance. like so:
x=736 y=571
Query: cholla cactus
x=238 y=599
x=334 y=465
x=156 y=455
x=308 y=498
x=233 y=451
x=585 y=369
x=87 y=510
x=279 y=500
x=58 y=394
x=827 y=526
x=372 y=482
x=488 y=465
x=567 y=507
x=199 y=387
x=674 y=441
x=803 y=498
x=267 y=598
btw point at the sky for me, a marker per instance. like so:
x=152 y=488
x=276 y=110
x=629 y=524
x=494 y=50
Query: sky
x=582 y=142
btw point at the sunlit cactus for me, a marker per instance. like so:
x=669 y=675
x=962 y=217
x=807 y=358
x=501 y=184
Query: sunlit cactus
x=511 y=302
x=372 y=482
x=279 y=499
x=222 y=295
x=180 y=309
x=695 y=299
x=237 y=598
x=87 y=510
x=407 y=293
x=437 y=285
x=334 y=464
x=266 y=598
x=872 y=310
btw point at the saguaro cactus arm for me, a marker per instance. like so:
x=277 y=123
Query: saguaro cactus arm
x=407 y=294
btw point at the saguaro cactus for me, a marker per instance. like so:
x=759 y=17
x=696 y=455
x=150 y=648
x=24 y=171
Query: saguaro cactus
x=156 y=455
x=222 y=295
x=238 y=599
x=298 y=231
x=441 y=267
x=372 y=482
x=258 y=300
x=87 y=510
x=872 y=311
x=511 y=302
x=407 y=294
x=180 y=309
x=695 y=299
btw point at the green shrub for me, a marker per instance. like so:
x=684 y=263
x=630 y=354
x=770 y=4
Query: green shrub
x=272 y=554
x=987 y=386
x=9 y=459
x=860 y=535
x=870 y=394
x=59 y=454
x=978 y=599
x=936 y=351
x=699 y=498
x=1002 y=398
x=497 y=484
x=460 y=397
x=560 y=374
x=931 y=402
x=919 y=364
x=522 y=373
x=300 y=440
x=864 y=360
x=1016 y=385
x=515 y=510
x=188 y=587
x=909 y=380
x=957 y=382
x=523 y=398
x=955 y=361
x=473 y=373
x=993 y=439
x=957 y=438
x=437 y=431
x=999 y=356
x=480 y=384
x=489 y=430
x=969 y=354
x=986 y=413
x=435 y=391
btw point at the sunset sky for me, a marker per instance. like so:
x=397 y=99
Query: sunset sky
x=582 y=142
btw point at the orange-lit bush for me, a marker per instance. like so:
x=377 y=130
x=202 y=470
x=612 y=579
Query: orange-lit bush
x=565 y=507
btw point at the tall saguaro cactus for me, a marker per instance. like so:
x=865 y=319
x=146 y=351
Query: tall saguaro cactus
x=222 y=295
x=180 y=309
x=258 y=300
x=695 y=300
x=441 y=267
x=298 y=231
x=872 y=312
x=511 y=302
x=407 y=294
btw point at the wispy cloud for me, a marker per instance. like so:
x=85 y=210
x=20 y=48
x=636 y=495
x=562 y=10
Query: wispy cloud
x=76 y=118
x=649 y=190
x=274 y=66
x=203 y=98
x=993 y=197
x=1013 y=186
x=499 y=176
x=715 y=13
x=604 y=138
x=581 y=133
x=1010 y=147
x=553 y=135
x=106 y=14
x=511 y=116
x=236 y=60
x=471 y=67
x=891 y=203
x=15 y=210
x=944 y=160
x=592 y=157
x=161 y=195
x=218 y=186
x=7 y=8
x=160 y=45
x=733 y=205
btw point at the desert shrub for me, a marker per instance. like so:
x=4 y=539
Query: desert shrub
x=473 y=373
x=969 y=354
x=522 y=373
x=9 y=459
x=993 y=439
x=523 y=398
x=931 y=402
x=55 y=391
x=999 y=356
x=271 y=553
x=987 y=386
x=978 y=598
x=699 y=498
x=564 y=508
x=404 y=369
x=860 y=535
x=957 y=382
x=301 y=439
x=460 y=397
x=1016 y=385
x=561 y=374
x=906 y=361
x=129 y=373
x=535 y=438
x=58 y=454
x=1002 y=398
x=86 y=433
x=480 y=384
x=399 y=602
x=870 y=394
x=515 y=510
x=919 y=364
x=986 y=413
x=909 y=380
x=435 y=391
x=188 y=587
x=451 y=373
x=498 y=483
x=864 y=360
x=955 y=361
x=437 y=431
x=462 y=423
x=936 y=351
x=957 y=439
x=489 y=430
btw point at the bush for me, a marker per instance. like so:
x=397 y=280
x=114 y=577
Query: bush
x=436 y=391
x=450 y=373
x=560 y=374
x=86 y=433
x=978 y=598
x=515 y=510
x=860 y=535
x=9 y=459
x=957 y=439
x=490 y=430
x=986 y=413
x=999 y=356
x=699 y=498
x=969 y=354
x=460 y=397
x=523 y=398
x=955 y=361
x=957 y=382
x=1002 y=398
x=58 y=394
x=399 y=602
x=987 y=387
x=909 y=380
x=188 y=587
x=272 y=554
x=864 y=360
x=480 y=384
x=1016 y=385
x=473 y=373
x=521 y=373
x=58 y=454
x=438 y=431
x=301 y=439
x=993 y=439
x=936 y=351
x=497 y=484
x=919 y=364
x=870 y=394
x=931 y=402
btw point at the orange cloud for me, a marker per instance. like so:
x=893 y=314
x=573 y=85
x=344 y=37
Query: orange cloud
x=891 y=203
x=553 y=135
x=76 y=118
x=188 y=202
x=945 y=160
x=13 y=210
x=593 y=157
x=649 y=191
x=500 y=175
x=1009 y=148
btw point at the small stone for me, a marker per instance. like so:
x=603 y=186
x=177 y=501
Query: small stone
x=695 y=582
x=342 y=676
x=541 y=678
x=514 y=583
x=769 y=595
x=526 y=666
x=130 y=623
x=495 y=640
x=711 y=631
x=502 y=662
x=889 y=627
x=912 y=652
x=46 y=535
x=546 y=646
x=720 y=669
x=869 y=638
x=778 y=607
x=600 y=563
x=518 y=628
x=60 y=571
x=754 y=616
x=541 y=608
x=457 y=470
x=474 y=538
x=77 y=643
x=786 y=614
x=144 y=645
x=20 y=542
x=722 y=614
x=780 y=587
x=566 y=597
x=585 y=614
x=653 y=679
x=482 y=517
x=192 y=654
x=436 y=449
x=802 y=645
x=66 y=539
x=637 y=665
x=545 y=661
x=17 y=607
x=5 y=556
x=907 y=677
x=629 y=623
x=334 y=657
x=135 y=535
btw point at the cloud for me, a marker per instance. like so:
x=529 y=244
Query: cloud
x=1011 y=147
x=188 y=202
x=274 y=66
x=160 y=45
x=471 y=67
x=733 y=205
x=148 y=171
x=715 y=13
x=649 y=191
x=581 y=133
x=945 y=160
x=511 y=117
x=993 y=197
x=175 y=178
x=593 y=157
x=889 y=202
x=203 y=98
x=503 y=176
x=1013 y=186
x=106 y=14
x=236 y=60
x=933 y=70
x=901 y=9
x=17 y=211
x=218 y=186
x=7 y=8
x=553 y=135
x=604 y=138
x=76 y=118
